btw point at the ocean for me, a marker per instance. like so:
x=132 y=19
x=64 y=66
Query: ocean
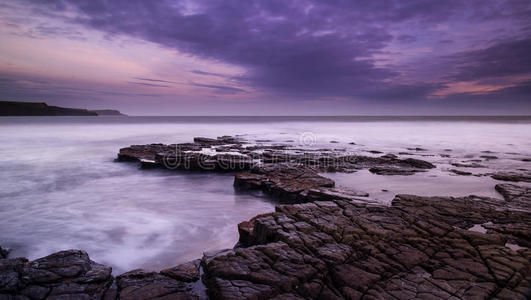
x=60 y=187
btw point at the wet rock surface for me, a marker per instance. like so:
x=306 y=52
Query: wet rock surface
x=417 y=248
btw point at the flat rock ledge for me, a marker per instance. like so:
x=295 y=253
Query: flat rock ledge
x=288 y=173
x=419 y=248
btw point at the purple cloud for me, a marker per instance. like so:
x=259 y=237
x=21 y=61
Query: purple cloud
x=300 y=49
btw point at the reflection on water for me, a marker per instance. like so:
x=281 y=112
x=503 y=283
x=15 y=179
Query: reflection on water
x=60 y=189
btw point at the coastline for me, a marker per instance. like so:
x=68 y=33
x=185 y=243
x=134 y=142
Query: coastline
x=327 y=242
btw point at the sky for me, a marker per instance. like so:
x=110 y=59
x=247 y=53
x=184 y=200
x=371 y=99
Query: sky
x=274 y=57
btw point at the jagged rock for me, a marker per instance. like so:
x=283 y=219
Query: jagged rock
x=63 y=275
x=419 y=247
x=187 y=272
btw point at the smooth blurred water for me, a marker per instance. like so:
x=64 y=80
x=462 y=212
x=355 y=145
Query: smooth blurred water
x=61 y=189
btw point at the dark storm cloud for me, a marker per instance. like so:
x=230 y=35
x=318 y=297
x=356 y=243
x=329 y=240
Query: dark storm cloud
x=506 y=58
x=302 y=47
x=308 y=48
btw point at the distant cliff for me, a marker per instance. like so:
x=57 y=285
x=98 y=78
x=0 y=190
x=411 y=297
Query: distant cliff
x=107 y=112
x=12 y=108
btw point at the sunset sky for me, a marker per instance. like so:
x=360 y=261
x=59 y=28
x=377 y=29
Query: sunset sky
x=285 y=57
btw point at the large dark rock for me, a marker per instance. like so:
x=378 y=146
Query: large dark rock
x=72 y=275
x=417 y=248
x=62 y=275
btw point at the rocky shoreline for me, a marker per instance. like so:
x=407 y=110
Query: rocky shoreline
x=321 y=242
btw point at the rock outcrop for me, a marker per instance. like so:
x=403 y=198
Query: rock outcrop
x=62 y=275
x=417 y=248
x=285 y=172
x=72 y=275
